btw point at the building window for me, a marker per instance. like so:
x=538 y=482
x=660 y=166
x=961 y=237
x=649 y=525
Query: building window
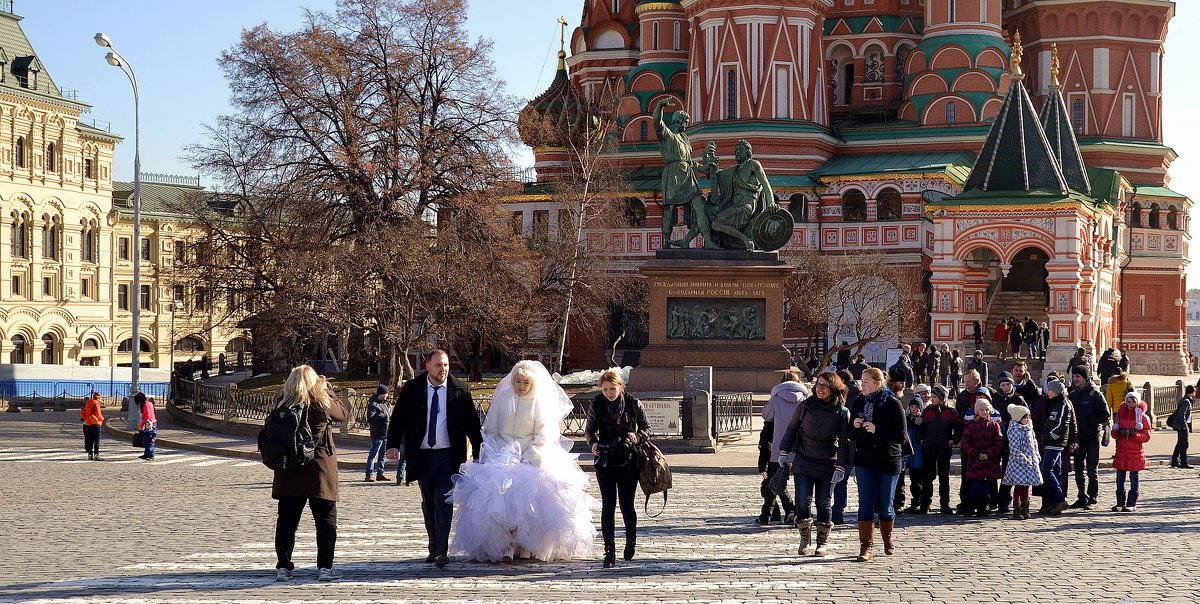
x=19 y=152
x=145 y=256
x=200 y=298
x=889 y=205
x=123 y=248
x=89 y=170
x=1128 y=120
x=50 y=155
x=177 y=293
x=18 y=356
x=88 y=242
x=22 y=233
x=953 y=10
x=178 y=249
x=654 y=36
x=123 y=297
x=144 y=297
x=678 y=36
x=731 y=102
x=16 y=285
x=901 y=59
x=1173 y=219
x=635 y=213
x=1155 y=212
x=1077 y=115
x=951 y=112
x=854 y=206
x=48 y=349
x=541 y=225
x=798 y=208
x=644 y=131
x=1135 y=215
x=85 y=288
x=47 y=285
x=518 y=223
x=783 y=92
x=616 y=6
x=127 y=346
x=50 y=232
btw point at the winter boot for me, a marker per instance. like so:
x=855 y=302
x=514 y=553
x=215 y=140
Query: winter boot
x=866 y=540
x=1120 y=501
x=610 y=555
x=1131 y=503
x=1016 y=511
x=885 y=529
x=805 y=526
x=630 y=544
x=1025 y=515
x=823 y=529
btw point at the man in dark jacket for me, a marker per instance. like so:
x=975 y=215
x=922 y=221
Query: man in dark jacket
x=860 y=365
x=902 y=370
x=433 y=419
x=1107 y=365
x=933 y=365
x=1026 y=387
x=843 y=356
x=1093 y=419
x=377 y=421
x=978 y=365
x=1056 y=434
x=937 y=429
x=919 y=362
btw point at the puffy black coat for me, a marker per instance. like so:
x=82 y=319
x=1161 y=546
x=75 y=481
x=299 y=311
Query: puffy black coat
x=879 y=451
x=819 y=435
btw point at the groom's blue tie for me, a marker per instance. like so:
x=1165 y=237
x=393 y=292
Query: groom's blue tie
x=431 y=432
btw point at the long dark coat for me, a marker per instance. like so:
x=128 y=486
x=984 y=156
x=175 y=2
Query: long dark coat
x=319 y=477
x=409 y=422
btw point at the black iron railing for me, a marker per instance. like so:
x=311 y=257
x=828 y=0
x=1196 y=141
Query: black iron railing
x=732 y=413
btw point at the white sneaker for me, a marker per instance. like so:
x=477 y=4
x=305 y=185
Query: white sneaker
x=283 y=574
x=329 y=574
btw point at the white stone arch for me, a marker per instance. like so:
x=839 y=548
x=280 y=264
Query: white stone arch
x=101 y=337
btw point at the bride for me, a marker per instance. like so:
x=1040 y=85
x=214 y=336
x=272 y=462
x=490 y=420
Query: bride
x=526 y=496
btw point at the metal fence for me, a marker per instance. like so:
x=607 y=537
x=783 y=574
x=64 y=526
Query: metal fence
x=41 y=395
x=732 y=413
x=1163 y=400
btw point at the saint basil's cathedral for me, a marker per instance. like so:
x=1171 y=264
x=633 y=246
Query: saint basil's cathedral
x=1006 y=154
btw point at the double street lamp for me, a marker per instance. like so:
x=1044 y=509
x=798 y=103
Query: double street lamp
x=115 y=59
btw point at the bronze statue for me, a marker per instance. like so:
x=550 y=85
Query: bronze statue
x=679 y=186
x=744 y=193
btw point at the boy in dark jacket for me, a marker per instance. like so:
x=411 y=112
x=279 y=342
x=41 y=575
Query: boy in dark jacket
x=1057 y=433
x=937 y=429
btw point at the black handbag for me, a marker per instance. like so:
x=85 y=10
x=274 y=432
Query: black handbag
x=617 y=460
x=139 y=439
x=779 y=480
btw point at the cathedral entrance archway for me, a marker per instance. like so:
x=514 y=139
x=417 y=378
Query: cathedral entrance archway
x=1028 y=272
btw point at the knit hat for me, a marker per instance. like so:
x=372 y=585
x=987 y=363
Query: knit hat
x=1005 y=377
x=1056 y=386
x=1016 y=412
x=1083 y=371
x=941 y=392
x=381 y=390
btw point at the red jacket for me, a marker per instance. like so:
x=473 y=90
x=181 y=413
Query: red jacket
x=982 y=436
x=1131 y=450
x=91 y=413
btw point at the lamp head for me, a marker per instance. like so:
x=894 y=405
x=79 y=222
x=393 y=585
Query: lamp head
x=113 y=59
x=102 y=40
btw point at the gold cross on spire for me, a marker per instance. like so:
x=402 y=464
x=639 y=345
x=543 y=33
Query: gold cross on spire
x=1054 y=65
x=562 y=35
x=1017 y=52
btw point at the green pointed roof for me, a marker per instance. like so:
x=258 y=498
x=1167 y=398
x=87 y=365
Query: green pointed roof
x=1016 y=155
x=1056 y=121
x=18 y=61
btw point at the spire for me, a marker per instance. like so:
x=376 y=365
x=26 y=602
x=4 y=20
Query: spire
x=1016 y=155
x=562 y=44
x=542 y=120
x=1056 y=120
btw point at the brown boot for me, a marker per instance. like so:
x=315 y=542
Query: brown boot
x=823 y=529
x=805 y=526
x=866 y=540
x=885 y=529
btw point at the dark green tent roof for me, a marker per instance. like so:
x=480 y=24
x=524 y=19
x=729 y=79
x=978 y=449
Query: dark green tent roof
x=1016 y=155
x=1056 y=121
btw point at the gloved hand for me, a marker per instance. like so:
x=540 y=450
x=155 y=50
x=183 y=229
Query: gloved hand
x=839 y=474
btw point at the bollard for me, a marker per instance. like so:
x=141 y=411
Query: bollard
x=702 y=427
x=350 y=415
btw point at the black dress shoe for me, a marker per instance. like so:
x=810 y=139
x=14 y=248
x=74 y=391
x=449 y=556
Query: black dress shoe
x=441 y=561
x=610 y=559
x=430 y=558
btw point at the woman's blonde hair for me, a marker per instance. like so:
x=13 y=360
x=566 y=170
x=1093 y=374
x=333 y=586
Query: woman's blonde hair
x=876 y=375
x=613 y=376
x=303 y=386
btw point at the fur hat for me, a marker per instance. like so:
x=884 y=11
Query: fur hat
x=1016 y=412
x=1057 y=386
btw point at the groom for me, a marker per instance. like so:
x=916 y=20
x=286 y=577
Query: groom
x=433 y=418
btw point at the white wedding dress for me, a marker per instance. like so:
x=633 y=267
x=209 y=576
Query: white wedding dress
x=526 y=496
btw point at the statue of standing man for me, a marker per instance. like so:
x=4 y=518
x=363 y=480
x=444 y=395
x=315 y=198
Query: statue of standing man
x=679 y=185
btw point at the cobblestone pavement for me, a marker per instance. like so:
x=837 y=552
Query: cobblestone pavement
x=114 y=532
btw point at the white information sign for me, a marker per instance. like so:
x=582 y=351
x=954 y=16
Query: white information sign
x=663 y=416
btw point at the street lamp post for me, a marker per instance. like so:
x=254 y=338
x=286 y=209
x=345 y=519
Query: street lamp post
x=115 y=59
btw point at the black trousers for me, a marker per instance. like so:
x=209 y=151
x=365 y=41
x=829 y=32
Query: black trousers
x=1179 y=456
x=1087 y=458
x=919 y=485
x=898 y=497
x=769 y=497
x=91 y=439
x=435 y=484
x=324 y=513
x=937 y=466
x=613 y=490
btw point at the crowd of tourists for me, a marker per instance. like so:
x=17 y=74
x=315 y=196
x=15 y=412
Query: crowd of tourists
x=1015 y=438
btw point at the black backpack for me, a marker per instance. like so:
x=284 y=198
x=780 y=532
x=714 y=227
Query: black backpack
x=286 y=440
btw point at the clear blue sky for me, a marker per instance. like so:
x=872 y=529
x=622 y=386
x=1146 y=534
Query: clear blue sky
x=174 y=48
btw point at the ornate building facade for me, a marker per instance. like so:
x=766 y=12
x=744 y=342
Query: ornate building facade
x=899 y=126
x=65 y=266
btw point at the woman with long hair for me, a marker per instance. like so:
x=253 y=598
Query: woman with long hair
x=616 y=422
x=878 y=433
x=526 y=497
x=314 y=483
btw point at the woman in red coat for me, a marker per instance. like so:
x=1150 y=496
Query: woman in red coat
x=982 y=442
x=1001 y=336
x=1131 y=431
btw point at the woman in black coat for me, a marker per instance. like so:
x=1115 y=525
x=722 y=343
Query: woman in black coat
x=616 y=422
x=879 y=429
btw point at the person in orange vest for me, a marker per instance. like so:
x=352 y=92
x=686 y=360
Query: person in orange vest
x=92 y=419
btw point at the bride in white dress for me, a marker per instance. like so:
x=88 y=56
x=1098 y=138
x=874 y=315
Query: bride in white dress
x=526 y=496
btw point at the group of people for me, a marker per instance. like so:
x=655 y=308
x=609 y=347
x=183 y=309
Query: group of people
x=1015 y=440
x=1020 y=335
x=519 y=491
x=92 y=416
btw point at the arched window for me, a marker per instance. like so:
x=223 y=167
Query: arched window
x=19 y=354
x=50 y=155
x=1077 y=115
x=798 y=208
x=19 y=152
x=1135 y=215
x=654 y=36
x=731 y=101
x=901 y=59
x=889 y=206
x=48 y=349
x=1155 y=211
x=189 y=345
x=50 y=231
x=854 y=206
x=644 y=131
x=91 y=344
x=1172 y=218
x=127 y=346
x=951 y=112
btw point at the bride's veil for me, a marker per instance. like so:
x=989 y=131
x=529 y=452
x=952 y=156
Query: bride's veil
x=551 y=403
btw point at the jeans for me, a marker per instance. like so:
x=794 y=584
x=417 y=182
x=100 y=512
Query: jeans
x=91 y=439
x=378 y=445
x=1052 y=476
x=770 y=497
x=1179 y=456
x=324 y=514
x=612 y=490
x=936 y=466
x=839 y=499
x=1133 y=481
x=149 y=437
x=805 y=487
x=1087 y=457
x=435 y=484
x=875 y=492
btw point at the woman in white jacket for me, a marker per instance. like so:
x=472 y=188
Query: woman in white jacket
x=526 y=497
